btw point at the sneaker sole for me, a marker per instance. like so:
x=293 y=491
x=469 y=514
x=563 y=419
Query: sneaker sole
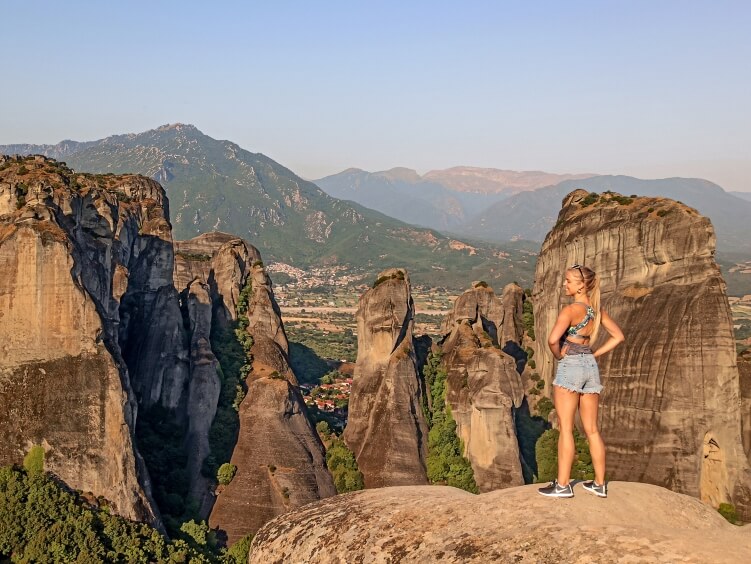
x=556 y=495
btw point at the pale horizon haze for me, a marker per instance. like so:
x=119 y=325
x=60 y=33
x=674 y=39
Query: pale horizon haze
x=645 y=88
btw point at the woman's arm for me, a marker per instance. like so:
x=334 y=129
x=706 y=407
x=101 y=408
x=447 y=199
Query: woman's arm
x=616 y=335
x=561 y=325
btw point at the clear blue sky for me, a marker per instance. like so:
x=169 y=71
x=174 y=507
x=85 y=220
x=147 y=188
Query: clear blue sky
x=649 y=88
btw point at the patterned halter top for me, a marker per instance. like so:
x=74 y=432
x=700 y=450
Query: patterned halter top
x=574 y=331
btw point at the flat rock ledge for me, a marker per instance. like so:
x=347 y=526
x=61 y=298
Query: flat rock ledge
x=636 y=523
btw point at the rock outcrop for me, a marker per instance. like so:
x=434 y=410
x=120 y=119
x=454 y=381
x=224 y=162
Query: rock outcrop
x=386 y=428
x=97 y=324
x=72 y=246
x=280 y=460
x=484 y=387
x=670 y=407
x=220 y=260
x=638 y=522
x=210 y=273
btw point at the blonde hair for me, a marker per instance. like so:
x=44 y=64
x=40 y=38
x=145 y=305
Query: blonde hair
x=592 y=286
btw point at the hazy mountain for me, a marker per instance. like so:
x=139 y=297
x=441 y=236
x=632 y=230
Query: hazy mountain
x=496 y=181
x=441 y=199
x=401 y=193
x=530 y=215
x=217 y=185
x=742 y=195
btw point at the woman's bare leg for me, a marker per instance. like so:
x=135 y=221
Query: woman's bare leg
x=565 y=402
x=588 y=406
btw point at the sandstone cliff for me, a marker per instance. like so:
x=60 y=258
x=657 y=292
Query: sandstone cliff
x=279 y=457
x=637 y=523
x=71 y=246
x=670 y=407
x=483 y=384
x=220 y=260
x=386 y=429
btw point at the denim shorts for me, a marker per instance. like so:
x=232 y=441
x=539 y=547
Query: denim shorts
x=578 y=373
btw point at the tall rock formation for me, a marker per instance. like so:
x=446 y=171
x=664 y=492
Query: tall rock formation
x=483 y=384
x=210 y=273
x=280 y=459
x=72 y=246
x=670 y=407
x=386 y=428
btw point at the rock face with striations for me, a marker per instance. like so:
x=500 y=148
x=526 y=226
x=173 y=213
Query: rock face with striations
x=670 y=407
x=641 y=522
x=210 y=272
x=73 y=247
x=280 y=460
x=484 y=387
x=386 y=429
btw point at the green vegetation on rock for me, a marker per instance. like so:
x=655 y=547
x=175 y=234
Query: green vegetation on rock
x=340 y=461
x=42 y=522
x=225 y=473
x=591 y=198
x=446 y=463
x=546 y=451
x=727 y=510
x=33 y=462
x=528 y=316
x=161 y=441
x=232 y=348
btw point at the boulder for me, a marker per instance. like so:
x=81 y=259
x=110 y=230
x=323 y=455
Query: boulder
x=670 y=409
x=638 y=522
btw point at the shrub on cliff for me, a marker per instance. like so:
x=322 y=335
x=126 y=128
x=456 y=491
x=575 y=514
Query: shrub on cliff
x=445 y=463
x=343 y=467
x=528 y=317
x=232 y=349
x=41 y=522
x=544 y=406
x=727 y=510
x=591 y=198
x=238 y=552
x=33 y=462
x=226 y=473
x=546 y=453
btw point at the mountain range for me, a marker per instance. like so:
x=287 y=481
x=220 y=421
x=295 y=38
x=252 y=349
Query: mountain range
x=502 y=206
x=217 y=185
x=440 y=199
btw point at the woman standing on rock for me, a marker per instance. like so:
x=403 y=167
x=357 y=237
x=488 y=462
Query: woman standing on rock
x=577 y=380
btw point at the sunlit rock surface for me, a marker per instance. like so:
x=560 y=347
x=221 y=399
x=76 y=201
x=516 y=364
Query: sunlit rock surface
x=386 y=429
x=72 y=246
x=483 y=384
x=280 y=460
x=637 y=523
x=670 y=409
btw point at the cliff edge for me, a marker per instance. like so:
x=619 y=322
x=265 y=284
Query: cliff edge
x=637 y=523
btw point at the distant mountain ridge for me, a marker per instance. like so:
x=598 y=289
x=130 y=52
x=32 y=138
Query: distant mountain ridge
x=217 y=185
x=493 y=205
x=531 y=215
x=440 y=199
x=493 y=180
